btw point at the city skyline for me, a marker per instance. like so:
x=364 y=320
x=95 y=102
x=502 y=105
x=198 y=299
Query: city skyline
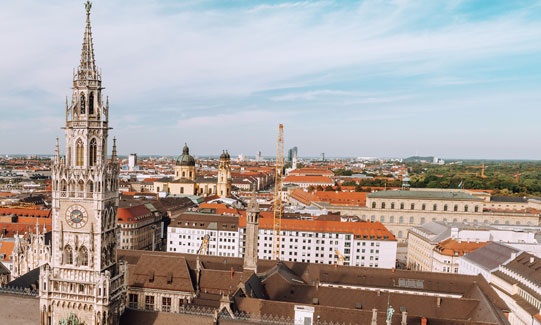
x=387 y=79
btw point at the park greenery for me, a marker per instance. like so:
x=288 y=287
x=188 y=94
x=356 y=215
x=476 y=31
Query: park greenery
x=499 y=176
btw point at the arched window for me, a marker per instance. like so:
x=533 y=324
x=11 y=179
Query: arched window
x=401 y=220
x=93 y=152
x=412 y=220
x=363 y=218
x=373 y=205
x=456 y=208
x=465 y=208
x=82 y=104
x=72 y=188
x=81 y=187
x=445 y=207
x=91 y=104
x=435 y=207
x=400 y=234
x=382 y=219
x=476 y=209
x=373 y=218
x=422 y=221
x=423 y=207
x=90 y=187
x=63 y=186
x=68 y=255
x=383 y=205
x=391 y=219
x=392 y=205
x=83 y=256
x=79 y=156
x=402 y=206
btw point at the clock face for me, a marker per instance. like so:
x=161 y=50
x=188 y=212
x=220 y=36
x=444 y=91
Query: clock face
x=76 y=216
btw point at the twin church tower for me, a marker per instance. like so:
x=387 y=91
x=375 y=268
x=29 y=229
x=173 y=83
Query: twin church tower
x=84 y=283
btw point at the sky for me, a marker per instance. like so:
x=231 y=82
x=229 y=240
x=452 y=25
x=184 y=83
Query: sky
x=453 y=79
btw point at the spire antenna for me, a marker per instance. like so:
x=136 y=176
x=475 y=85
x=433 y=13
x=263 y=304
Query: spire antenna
x=87 y=68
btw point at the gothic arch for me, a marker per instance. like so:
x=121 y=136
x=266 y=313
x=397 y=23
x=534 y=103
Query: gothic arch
x=83 y=256
x=79 y=152
x=91 y=103
x=72 y=188
x=68 y=255
x=90 y=186
x=83 y=104
x=93 y=152
x=81 y=186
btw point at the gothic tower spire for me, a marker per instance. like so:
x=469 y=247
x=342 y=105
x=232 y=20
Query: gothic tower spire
x=87 y=68
x=252 y=231
x=83 y=260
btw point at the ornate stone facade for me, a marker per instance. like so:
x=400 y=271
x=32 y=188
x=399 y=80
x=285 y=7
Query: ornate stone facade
x=31 y=250
x=83 y=277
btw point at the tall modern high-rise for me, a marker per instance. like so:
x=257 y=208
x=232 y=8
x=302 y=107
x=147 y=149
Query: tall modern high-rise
x=132 y=161
x=83 y=283
x=292 y=153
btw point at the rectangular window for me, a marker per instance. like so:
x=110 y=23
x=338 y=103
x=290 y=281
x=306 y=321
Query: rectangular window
x=132 y=303
x=166 y=304
x=149 y=302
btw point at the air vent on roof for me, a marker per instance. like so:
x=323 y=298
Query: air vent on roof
x=315 y=301
x=358 y=305
x=402 y=309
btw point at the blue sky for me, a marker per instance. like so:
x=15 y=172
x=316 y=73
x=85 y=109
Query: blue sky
x=368 y=78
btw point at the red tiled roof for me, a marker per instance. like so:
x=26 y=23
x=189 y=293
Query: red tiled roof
x=220 y=208
x=133 y=214
x=372 y=230
x=308 y=179
x=6 y=248
x=451 y=247
x=342 y=198
x=25 y=212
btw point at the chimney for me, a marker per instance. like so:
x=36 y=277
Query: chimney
x=532 y=259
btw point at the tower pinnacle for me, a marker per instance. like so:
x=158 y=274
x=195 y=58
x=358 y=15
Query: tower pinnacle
x=87 y=68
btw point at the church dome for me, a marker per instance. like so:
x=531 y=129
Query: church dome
x=185 y=159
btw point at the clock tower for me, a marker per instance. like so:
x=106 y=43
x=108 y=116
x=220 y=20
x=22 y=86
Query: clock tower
x=83 y=282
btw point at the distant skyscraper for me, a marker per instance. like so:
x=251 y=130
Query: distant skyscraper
x=132 y=161
x=322 y=156
x=258 y=156
x=292 y=153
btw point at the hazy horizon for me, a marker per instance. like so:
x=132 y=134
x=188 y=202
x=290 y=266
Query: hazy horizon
x=370 y=78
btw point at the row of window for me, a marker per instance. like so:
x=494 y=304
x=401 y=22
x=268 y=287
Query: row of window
x=423 y=207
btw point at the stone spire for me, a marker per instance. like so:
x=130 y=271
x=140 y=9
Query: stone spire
x=87 y=68
x=113 y=155
x=57 y=152
x=253 y=206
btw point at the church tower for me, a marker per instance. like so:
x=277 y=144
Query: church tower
x=223 y=188
x=185 y=165
x=252 y=232
x=83 y=280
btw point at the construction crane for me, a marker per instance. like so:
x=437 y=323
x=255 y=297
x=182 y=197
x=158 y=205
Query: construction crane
x=340 y=258
x=204 y=248
x=482 y=170
x=277 y=222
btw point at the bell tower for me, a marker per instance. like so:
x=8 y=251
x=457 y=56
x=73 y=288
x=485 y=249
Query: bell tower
x=83 y=279
x=223 y=188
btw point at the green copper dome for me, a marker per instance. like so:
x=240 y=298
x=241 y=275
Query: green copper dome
x=185 y=159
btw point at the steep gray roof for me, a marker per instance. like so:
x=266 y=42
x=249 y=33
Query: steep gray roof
x=492 y=255
x=429 y=195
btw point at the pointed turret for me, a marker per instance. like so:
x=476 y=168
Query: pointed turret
x=113 y=155
x=57 y=152
x=87 y=68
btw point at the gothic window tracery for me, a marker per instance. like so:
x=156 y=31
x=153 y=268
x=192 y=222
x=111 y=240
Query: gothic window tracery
x=83 y=256
x=79 y=156
x=93 y=151
x=82 y=104
x=91 y=104
x=68 y=255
